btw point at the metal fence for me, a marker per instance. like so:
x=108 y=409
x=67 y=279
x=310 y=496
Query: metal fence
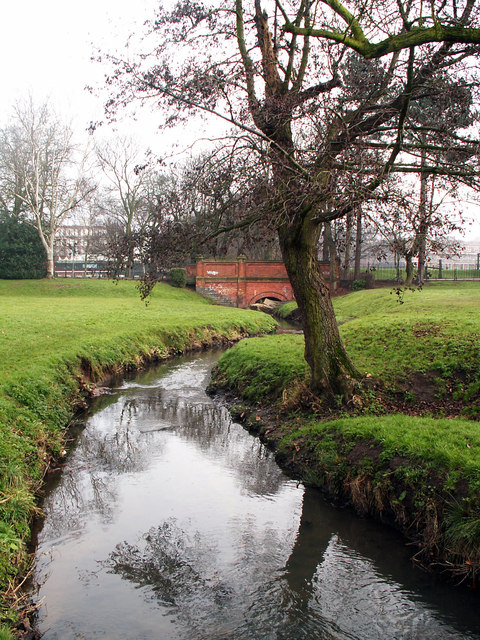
x=440 y=270
x=91 y=269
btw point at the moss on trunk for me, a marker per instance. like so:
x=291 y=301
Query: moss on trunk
x=332 y=372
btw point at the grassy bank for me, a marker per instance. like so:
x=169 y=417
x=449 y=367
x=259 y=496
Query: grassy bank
x=403 y=449
x=59 y=337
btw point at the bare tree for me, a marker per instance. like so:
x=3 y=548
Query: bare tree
x=128 y=200
x=219 y=190
x=312 y=120
x=12 y=175
x=47 y=178
x=413 y=221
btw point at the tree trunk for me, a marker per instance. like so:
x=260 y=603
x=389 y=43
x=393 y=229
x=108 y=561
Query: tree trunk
x=409 y=269
x=49 y=263
x=325 y=244
x=422 y=228
x=332 y=252
x=358 y=245
x=421 y=261
x=332 y=373
x=348 y=242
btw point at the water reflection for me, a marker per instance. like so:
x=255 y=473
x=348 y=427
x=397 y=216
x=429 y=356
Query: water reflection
x=326 y=589
x=171 y=521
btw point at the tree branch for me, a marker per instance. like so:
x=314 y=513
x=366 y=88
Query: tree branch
x=414 y=37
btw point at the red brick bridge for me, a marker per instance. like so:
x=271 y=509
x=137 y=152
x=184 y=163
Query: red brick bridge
x=241 y=283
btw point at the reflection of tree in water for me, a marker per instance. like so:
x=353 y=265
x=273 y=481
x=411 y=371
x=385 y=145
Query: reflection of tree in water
x=340 y=570
x=210 y=428
x=80 y=493
x=334 y=595
x=89 y=481
x=181 y=572
x=199 y=421
x=247 y=599
x=122 y=451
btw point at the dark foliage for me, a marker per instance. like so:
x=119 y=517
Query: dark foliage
x=22 y=254
x=177 y=277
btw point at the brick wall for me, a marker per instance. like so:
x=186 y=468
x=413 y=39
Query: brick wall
x=241 y=283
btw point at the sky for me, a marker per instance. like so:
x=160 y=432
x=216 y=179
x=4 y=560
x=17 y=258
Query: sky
x=46 y=49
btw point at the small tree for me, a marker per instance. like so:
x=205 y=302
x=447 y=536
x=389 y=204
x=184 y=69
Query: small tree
x=412 y=222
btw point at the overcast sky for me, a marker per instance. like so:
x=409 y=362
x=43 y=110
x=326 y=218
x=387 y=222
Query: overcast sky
x=45 y=50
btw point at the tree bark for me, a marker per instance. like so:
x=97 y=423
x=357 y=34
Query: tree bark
x=49 y=263
x=422 y=228
x=325 y=244
x=333 y=255
x=348 y=242
x=332 y=373
x=409 y=270
x=421 y=257
x=358 y=245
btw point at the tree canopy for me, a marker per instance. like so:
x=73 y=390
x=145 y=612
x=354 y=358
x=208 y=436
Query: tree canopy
x=331 y=98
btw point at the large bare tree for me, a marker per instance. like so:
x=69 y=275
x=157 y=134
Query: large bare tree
x=43 y=173
x=129 y=185
x=323 y=91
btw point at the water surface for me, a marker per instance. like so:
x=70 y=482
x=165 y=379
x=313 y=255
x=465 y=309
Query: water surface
x=169 y=521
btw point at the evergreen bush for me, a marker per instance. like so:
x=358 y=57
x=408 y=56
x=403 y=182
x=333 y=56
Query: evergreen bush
x=177 y=277
x=22 y=254
x=357 y=285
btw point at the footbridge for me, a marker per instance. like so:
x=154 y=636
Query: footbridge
x=242 y=282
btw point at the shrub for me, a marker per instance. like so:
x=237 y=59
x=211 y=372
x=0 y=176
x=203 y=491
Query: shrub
x=177 y=277
x=21 y=252
x=357 y=285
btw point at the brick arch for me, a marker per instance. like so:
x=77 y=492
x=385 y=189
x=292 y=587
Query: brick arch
x=241 y=282
x=273 y=295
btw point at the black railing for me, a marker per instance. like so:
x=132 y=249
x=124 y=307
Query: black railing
x=439 y=270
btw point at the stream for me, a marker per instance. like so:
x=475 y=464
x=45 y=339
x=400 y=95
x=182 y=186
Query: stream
x=169 y=521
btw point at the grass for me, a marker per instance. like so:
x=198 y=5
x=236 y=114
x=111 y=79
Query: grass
x=285 y=309
x=261 y=368
x=450 y=444
x=53 y=333
x=435 y=331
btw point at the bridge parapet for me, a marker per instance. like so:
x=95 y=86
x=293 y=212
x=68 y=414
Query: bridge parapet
x=242 y=282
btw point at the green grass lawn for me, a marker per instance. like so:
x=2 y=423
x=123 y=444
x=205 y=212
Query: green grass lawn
x=51 y=333
x=436 y=330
